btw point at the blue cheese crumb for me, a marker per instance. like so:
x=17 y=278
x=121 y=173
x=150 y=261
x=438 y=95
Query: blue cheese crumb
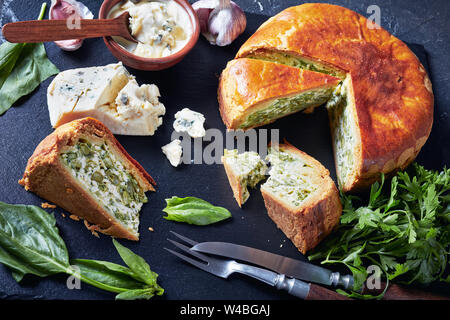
x=191 y=122
x=173 y=152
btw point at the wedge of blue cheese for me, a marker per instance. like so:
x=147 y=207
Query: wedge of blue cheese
x=191 y=122
x=109 y=94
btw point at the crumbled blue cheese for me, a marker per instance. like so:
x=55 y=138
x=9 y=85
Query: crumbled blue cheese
x=173 y=152
x=139 y=109
x=189 y=121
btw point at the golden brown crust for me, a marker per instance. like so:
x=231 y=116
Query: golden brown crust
x=308 y=224
x=246 y=84
x=47 y=177
x=393 y=95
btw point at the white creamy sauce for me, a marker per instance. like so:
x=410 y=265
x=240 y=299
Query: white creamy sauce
x=191 y=122
x=161 y=27
x=173 y=152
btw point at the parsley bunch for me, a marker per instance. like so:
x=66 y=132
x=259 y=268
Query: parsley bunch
x=404 y=229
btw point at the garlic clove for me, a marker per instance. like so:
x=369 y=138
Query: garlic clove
x=226 y=24
x=221 y=21
x=71 y=11
x=203 y=9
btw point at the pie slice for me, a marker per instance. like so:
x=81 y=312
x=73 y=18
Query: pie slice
x=300 y=196
x=83 y=169
x=253 y=92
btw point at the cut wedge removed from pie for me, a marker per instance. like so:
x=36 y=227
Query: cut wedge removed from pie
x=381 y=112
x=83 y=169
x=243 y=170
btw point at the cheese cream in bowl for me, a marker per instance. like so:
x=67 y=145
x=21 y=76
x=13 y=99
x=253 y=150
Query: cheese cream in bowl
x=165 y=30
x=161 y=27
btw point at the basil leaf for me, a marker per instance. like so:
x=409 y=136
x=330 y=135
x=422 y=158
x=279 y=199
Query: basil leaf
x=30 y=242
x=107 y=273
x=31 y=69
x=193 y=210
x=9 y=53
x=139 y=294
x=23 y=66
x=140 y=269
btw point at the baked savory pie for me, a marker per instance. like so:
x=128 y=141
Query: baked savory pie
x=381 y=112
x=83 y=169
x=300 y=196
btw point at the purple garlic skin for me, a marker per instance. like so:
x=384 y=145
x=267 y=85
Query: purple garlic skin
x=221 y=21
x=71 y=11
x=203 y=9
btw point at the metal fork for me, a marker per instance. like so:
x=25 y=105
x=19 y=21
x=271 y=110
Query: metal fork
x=224 y=267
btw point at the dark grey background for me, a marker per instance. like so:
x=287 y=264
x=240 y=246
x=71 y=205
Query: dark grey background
x=193 y=84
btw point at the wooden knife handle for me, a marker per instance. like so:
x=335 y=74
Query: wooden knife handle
x=394 y=292
x=320 y=293
x=54 y=30
x=401 y=292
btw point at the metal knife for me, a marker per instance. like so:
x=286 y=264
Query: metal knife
x=284 y=265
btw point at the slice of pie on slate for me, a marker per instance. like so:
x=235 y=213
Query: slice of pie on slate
x=83 y=169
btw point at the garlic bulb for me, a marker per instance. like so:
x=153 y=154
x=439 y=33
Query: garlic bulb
x=71 y=11
x=221 y=21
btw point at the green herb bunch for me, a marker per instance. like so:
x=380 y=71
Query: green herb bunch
x=404 y=230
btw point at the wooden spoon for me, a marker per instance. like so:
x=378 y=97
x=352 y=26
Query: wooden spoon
x=54 y=30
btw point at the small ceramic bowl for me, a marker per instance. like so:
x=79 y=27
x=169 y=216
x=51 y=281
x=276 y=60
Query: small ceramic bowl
x=142 y=63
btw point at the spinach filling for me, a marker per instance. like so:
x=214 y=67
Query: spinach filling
x=248 y=166
x=109 y=182
x=341 y=119
x=284 y=106
x=340 y=114
x=288 y=177
x=297 y=62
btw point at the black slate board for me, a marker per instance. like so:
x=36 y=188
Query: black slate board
x=193 y=84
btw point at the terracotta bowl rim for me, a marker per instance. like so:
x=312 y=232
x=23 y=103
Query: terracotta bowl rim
x=113 y=45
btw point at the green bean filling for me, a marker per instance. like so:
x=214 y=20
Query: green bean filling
x=297 y=62
x=288 y=177
x=284 y=106
x=109 y=182
x=248 y=166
